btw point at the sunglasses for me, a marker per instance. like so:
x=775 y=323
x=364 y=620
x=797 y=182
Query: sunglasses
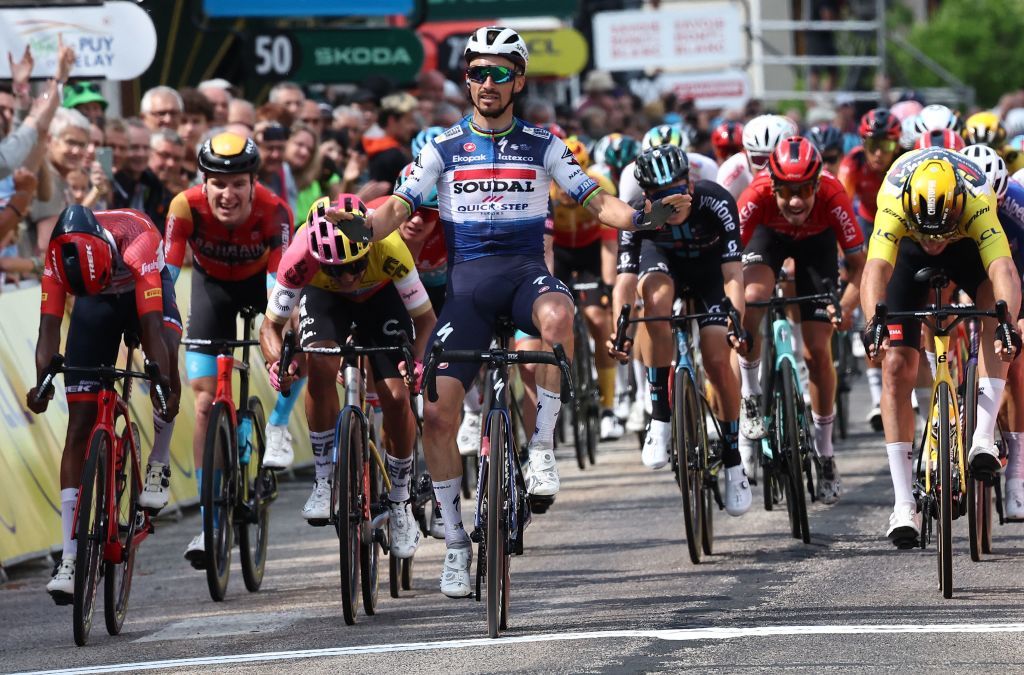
x=876 y=144
x=757 y=160
x=789 y=190
x=351 y=269
x=83 y=87
x=683 y=189
x=499 y=74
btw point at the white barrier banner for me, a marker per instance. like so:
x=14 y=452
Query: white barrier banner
x=723 y=89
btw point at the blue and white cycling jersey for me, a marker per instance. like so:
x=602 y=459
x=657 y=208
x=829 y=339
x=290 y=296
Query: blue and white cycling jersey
x=492 y=187
x=1011 y=217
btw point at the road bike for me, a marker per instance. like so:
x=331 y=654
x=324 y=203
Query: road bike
x=502 y=508
x=109 y=524
x=586 y=407
x=236 y=490
x=360 y=483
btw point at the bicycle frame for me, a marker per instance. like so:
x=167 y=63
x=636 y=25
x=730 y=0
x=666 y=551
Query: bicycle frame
x=942 y=375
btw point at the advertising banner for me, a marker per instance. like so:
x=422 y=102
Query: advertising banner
x=723 y=89
x=304 y=9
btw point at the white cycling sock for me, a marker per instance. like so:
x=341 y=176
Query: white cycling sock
x=68 y=497
x=448 y=494
x=931 y=361
x=921 y=398
x=750 y=385
x=471 y=401
x=548 y=405
x=990 y=394
x=322 y=443
x=162 y=432
x=1014 y=465
x=875 y=385
x=400 y=473
x=823 y=433
x=901 y=469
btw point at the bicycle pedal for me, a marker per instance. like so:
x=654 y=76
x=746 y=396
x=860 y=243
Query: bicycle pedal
x=61 y=598
x=319 y=522
x=541 y=503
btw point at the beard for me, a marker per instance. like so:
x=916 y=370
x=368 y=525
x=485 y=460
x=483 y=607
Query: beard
x=489 y=114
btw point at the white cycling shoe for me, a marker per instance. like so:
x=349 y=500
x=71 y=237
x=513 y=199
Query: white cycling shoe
x=61 y=586
x=656 y=444
x=405 y=533
x=829 y=487
x=317 y=508
x=749 y=451
x=637 y=419
x=469 y=434
x=157 y=486
x=984 y=461
x=455 y=574
x=543 y=479
x=751 y=422
x=279 y=453
x=195 y=552
x=611 y=427
x=1013 y=499
x=737 y=491
x=904 y=526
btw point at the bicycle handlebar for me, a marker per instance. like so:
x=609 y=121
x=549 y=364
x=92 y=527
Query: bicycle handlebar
x=439 y=355
x=728 y=312
x=289 y=349
x=104 y=373
x=221 y=345
x=620 y=327
x=880 y=331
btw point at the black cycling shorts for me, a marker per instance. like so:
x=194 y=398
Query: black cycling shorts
x=960 y=260
x=585 y=261
x=436 y=295
x=213 y=314
x=698 y=278
x=481 y=290
x=817 y=252
x=379 y=320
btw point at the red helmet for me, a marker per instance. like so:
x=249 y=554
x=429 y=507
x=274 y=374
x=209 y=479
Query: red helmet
x=794 y=160
x=940 y=138
x=80 y=254
x=880 y=123
x=727 y=139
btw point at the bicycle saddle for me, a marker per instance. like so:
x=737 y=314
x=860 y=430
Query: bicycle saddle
x=935 y=277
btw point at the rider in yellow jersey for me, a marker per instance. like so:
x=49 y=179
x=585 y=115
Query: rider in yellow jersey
x=935 y=209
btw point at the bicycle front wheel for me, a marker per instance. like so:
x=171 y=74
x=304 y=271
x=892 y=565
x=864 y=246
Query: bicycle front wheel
x=369 y=552
x=260 y=484
x=796 y=501
x=581 y=406
x=117 y=576
x=345 y=504
x=90 y=532
x=686 y=432
x=497 y=528
x=975 y=488
x=219 y=494
x=945 y=493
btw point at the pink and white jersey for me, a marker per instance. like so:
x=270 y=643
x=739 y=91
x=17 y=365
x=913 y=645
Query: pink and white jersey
x=734 y=174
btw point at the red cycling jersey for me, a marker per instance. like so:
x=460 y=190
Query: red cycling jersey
x=228 y=253
x=139 y=260
x=861 y=182
x=832 y=209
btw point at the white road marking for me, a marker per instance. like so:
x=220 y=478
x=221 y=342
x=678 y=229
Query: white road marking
x=685 y=634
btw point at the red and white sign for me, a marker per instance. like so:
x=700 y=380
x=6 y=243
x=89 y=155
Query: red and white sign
x=698 y=37
x=725 y=89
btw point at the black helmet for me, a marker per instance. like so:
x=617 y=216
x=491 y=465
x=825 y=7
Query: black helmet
x=825 y=137
x=229 y=153
x=661 y=165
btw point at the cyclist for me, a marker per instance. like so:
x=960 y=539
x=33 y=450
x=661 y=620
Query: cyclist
x=935 y=209
x=111 y=261
x=425 y=240
x=700 y=251
x=939 y=138
x=861 y=173
x=829 y=142
x=578 y=244
x=338 y=284
x=795 y=211
x=237 y=230
x=984 y=128
x=704 y=168
x=935 y=117
x=492 y=173
x=613 y=153
x=727 y=140
x=760 y=136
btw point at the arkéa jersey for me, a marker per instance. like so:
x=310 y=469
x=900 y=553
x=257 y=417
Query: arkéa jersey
x=978 y=222
x=860 y=182
x=389 y=262
x=492 y=187
x=138 y=261
x=228 y=253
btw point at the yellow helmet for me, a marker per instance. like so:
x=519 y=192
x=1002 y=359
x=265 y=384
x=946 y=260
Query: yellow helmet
x=579 y=151
x=933 y=198
x=984 y=128
x=327 y=243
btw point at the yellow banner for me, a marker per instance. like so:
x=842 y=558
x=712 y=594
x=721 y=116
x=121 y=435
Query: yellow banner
x=31 y=445
x=556 y=53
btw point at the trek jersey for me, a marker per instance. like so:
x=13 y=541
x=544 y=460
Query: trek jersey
x=228 y=253
x=712 y=228
x=860 y=182
x=832 y=210
x=137 y=264
x=574 y=225
x=979 y=220
x=492 y=188
x=390 y=262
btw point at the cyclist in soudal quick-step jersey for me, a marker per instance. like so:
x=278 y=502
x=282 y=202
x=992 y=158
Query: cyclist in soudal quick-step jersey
x=237 y=230
x=794 y=210
x=337 y=283
x=111 y=262
x=492 y=173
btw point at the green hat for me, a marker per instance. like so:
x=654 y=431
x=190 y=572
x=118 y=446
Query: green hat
x=83 y=92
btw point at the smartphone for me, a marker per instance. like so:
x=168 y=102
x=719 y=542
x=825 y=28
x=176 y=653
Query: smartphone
x=105 y=156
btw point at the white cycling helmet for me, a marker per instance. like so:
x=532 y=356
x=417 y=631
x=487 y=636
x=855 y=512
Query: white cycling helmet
x=989 y=161
x=935 y=117
x=762 y=134
x=908 y=133
x=1013 y=122
x=498 y=41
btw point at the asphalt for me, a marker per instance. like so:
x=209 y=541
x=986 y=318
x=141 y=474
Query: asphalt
x=605 y=586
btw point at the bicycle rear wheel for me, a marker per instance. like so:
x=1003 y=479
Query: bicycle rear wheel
x=219 y=495
x=945 y=494
x=117 y=576
x=796 y=501
x=975 y=488
x=90 y=532
x=497 y=527
x=369 y=552
x=686 y=443
x=581 y=405
x=349 y=442
x=260 y=484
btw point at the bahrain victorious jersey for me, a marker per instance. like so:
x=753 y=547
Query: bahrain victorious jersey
x=492 y=187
